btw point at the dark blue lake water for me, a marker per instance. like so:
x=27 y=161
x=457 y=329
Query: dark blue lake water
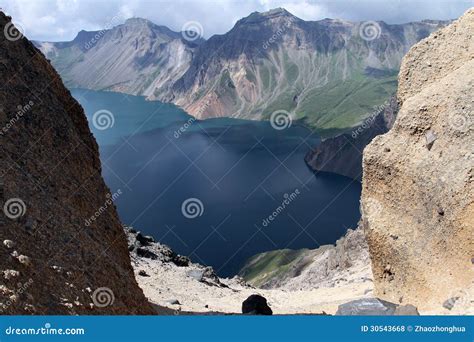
x=217 y=190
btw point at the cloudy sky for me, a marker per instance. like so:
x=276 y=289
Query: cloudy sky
x=59 y=20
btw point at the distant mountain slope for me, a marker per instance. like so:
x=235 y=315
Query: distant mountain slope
x=323 y=71
x=136 y=58
x=329 y=73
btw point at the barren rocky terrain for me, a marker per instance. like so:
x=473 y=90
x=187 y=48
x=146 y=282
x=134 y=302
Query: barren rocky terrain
x=175 y=282
x=418 y=181
x=318 y=281
x=51 y=261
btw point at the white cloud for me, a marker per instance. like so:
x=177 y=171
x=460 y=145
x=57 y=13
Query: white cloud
x=62 y=19
x=306 y=10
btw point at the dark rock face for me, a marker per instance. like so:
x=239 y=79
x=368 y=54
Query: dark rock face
x=144 y=253
x=256 y=305
x=343 y=153
x=375 y=307
x=63 y=238
x=143 y=273
x=144 y=240
x=146 y=247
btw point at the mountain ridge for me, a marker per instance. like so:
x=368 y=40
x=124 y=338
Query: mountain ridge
x=322 y=72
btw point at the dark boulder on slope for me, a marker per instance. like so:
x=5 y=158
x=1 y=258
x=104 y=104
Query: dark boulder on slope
x=256 y=305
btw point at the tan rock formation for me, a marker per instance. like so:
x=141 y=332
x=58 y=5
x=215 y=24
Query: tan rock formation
x=418 y=181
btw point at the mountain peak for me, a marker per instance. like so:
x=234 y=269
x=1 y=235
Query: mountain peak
x=137 y=21
x=276 y=12
x=137 y=25
x=273 y=14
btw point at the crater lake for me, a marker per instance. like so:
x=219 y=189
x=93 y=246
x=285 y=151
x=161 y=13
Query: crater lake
x=217 y=190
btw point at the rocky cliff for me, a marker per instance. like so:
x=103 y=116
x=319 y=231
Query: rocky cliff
x=63 y=250
x=342 y=154
x=418 y=180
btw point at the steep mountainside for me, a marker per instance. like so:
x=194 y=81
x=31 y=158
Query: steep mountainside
x=323 y=71
x=51 y=260
x=136 y=58
x=327 y=266
x=330 y=73
x=418 y=181
x=342 y=154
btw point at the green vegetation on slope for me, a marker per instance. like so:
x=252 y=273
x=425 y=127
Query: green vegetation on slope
x=262 y=267
x=344 y=104
x=330 y=93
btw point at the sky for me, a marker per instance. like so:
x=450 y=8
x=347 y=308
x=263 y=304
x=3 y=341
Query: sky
x=60 y=20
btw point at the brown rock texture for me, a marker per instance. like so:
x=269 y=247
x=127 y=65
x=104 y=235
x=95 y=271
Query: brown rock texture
x=418 y=180
x=51 y=261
